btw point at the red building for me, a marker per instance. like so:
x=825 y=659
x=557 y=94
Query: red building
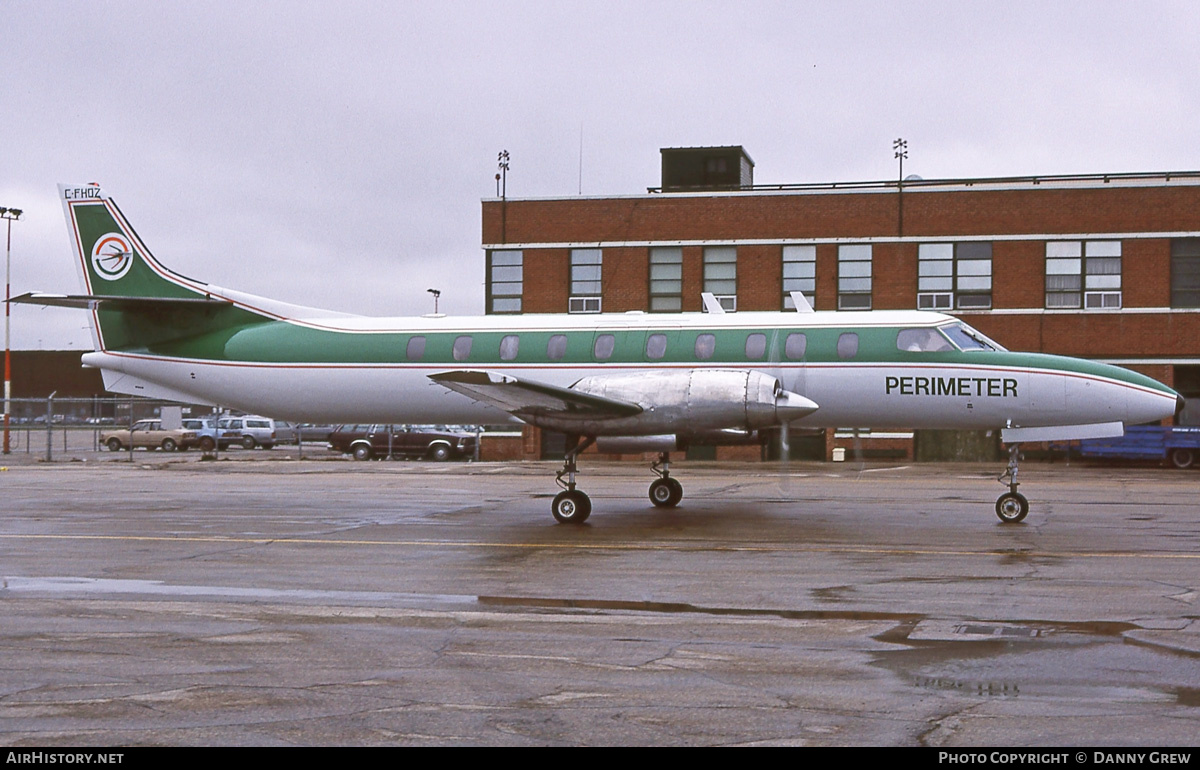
x=1103 y=266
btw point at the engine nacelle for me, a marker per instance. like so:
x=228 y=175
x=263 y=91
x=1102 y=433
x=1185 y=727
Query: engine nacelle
x=687 y=403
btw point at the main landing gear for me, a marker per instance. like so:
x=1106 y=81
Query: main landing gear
x=665 y=492
x=1011 y=506
x=571 y=506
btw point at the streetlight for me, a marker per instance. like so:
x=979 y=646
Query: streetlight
x=8 y=215
x=901 y=148
x=436 y=293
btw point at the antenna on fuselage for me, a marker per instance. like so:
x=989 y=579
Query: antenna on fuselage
x=801 y=302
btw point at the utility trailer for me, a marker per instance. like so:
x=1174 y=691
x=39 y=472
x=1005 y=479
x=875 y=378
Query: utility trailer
x=1176 y=445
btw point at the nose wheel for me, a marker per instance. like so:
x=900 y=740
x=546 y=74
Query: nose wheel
x=1011 y=507
x=665 y=491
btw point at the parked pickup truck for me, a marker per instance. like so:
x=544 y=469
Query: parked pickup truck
x=1179 y=446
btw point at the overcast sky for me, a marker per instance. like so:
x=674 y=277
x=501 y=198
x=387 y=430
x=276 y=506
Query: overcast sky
x=335 y=154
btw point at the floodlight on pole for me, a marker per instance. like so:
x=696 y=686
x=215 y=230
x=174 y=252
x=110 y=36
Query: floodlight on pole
x=901 y=148
x=9 y=215
x=436 y=293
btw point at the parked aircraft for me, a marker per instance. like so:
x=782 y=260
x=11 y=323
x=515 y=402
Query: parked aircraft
x=630 y=382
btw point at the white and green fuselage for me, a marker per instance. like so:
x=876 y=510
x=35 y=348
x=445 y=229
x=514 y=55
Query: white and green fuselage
x=158 y=333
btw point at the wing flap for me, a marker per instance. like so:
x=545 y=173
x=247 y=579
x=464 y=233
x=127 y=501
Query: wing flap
x=524 y=398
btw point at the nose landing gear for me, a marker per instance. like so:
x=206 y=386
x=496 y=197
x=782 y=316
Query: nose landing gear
x=1011 y=506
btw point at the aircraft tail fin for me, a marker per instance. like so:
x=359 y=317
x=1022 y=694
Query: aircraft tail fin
x=135 y=302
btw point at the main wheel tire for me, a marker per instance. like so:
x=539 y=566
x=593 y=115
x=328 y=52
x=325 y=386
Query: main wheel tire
x=1012 y=507
x=662 y=493
x=169 y=445
x=1182 y=458
x=207 y=443
x=439 y=453
x=248 y=442
x=114 y=445
x=361 y=452
x=571 y=507
x=676 y=492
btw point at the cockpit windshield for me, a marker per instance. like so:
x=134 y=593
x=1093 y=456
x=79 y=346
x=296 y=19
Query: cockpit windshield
x=968 y=339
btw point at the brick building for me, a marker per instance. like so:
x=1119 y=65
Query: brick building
x=1103 y=266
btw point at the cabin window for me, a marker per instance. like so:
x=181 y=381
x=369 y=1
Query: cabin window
x=756 y=346
x=656 y=346
x=922 y=341
x=799 y=274
x=604 y=347
x=854 y=277
x=416 y=349
x=795 y=345
x=720 y=275
x=509 y=345
x=847 y=345
x=462 y=347
x=505 y=281
x=556 y=348
x=666 y=279
x=706 y=344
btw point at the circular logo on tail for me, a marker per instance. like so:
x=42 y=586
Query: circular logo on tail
x=112 y=256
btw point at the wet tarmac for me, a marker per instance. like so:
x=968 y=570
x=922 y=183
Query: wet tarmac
x=275 y=602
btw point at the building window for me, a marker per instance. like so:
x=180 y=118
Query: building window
x=1185 y=272
x=1083 y=274
x=799 y=274
x=505 y=281
x=854 y=277
x=720 y=275
x=666 y=280
x=954 y=275
x=586 y=266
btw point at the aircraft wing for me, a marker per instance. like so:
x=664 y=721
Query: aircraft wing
x=524 y=398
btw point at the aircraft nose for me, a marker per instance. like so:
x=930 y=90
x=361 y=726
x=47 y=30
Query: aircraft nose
x=1180 y=403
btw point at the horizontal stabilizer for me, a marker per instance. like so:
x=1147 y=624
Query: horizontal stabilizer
x=1062 y=432
x=89 y=301
x=524 y=398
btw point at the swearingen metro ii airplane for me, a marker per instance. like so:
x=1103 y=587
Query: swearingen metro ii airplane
x=627 y=382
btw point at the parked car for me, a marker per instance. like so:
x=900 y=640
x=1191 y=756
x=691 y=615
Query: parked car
x=149 y=434
x=427 y=441
x=249 y=432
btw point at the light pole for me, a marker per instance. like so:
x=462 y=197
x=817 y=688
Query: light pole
x=9 y=215
x=901 y=148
